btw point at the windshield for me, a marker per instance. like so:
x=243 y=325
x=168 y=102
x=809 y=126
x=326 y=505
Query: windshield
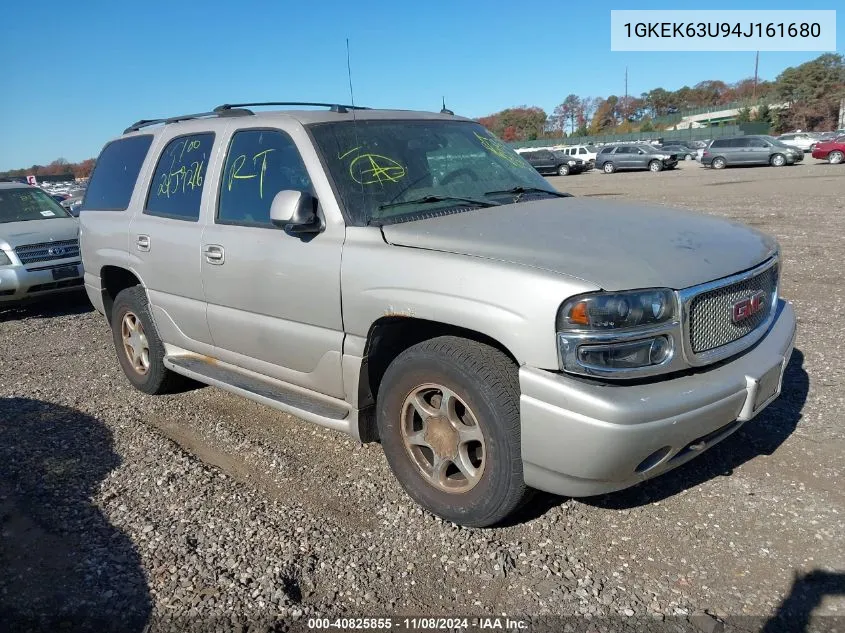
x=776 y=141
x=436 y=164
x=21 y=204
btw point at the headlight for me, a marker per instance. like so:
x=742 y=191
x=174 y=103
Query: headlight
x=623 y=334
x=613 y=311
x=4 y=259
x=651 y=351
x=571 y=162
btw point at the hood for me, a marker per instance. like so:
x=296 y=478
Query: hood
x=16 y=234
x=615 y=246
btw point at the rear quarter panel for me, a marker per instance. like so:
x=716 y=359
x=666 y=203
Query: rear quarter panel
x=104 y=235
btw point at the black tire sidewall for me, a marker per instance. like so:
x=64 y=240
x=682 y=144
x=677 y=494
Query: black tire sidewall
x=134 y=300
x=503 y=465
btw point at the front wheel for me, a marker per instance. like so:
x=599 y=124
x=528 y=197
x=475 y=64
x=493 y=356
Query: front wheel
x=609 y=167
x=563 y=170
x=448 y=420
x=778 y=160
x=835 y=157
x=655 y=166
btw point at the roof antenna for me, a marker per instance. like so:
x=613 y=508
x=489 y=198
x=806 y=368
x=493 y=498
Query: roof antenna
x=444 y=109
x=352 y=100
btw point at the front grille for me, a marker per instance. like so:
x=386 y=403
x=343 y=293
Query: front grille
x=46 y=251
x=711 y=313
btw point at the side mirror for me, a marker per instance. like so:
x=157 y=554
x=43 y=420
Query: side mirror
x=295 y=212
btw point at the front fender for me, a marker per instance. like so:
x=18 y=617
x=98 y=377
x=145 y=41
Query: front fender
x=513 y=304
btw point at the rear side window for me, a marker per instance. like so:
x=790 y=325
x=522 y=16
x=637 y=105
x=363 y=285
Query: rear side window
x=259 y=164
x=720 y=143
x=176 y=189
x=115 y=173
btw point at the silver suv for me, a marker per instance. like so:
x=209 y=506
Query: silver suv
x=39 y=245
x=406 y=277
x=749 y=150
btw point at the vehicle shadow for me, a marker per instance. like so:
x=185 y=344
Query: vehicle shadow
x=794 y=613
x=58 y=305
x=64 y=566
x=760 y=436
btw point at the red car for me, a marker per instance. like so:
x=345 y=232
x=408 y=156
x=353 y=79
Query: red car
x=832 y=151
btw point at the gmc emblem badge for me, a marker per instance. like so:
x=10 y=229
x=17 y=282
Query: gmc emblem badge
x=749 y=306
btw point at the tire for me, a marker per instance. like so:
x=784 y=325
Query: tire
x=718 y=163
x=608 y=167
x=655 y=166
x=835 y=157
x=563 y=170
x=777 y=160
x=146 y=372
x=483 y=384
x=688 y=157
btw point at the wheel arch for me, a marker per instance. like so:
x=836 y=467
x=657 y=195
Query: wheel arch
x=389 y=336
x=114 y=279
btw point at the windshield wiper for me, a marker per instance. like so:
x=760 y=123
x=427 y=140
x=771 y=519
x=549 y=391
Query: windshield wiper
x=432 y=198
x=519 y=191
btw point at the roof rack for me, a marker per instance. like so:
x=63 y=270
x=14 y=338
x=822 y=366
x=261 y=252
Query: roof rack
x=334 y=107
x=187 y=117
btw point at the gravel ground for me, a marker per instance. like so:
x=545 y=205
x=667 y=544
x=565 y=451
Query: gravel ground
x=205 y=510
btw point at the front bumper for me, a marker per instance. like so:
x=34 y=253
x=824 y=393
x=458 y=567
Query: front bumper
x=20 y=283
x=583 y=438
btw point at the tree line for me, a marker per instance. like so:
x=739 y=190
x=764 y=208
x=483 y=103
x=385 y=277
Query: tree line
x=813 y=91
x=58 y=167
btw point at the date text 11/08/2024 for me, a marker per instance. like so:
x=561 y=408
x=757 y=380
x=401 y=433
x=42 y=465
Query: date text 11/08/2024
x=419 y=624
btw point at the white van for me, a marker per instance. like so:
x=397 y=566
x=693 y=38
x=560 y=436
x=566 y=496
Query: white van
x=584 y=152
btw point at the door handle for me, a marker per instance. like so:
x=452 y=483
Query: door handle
x=143 y=243
x=214 y=254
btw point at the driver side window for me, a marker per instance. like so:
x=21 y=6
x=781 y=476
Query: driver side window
x=259 y=164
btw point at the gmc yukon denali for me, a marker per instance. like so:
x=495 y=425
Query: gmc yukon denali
x=406 y=277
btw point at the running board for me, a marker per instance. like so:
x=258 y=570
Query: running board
x=264 y=391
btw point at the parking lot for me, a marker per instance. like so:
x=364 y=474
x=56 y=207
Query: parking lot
x=206 y=504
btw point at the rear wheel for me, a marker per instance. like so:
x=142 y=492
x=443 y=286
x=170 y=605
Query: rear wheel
x=835 y=157
x=609 y=167
x=655 y=166
x=563 y=170
x=138 y=346
x=718 y=163
x=448 y=419
x=688 y=157
x=778 y=160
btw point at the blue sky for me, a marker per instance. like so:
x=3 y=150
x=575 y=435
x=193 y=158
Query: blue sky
x=77 y=73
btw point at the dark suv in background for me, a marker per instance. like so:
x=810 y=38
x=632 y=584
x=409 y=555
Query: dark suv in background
x=619 y=157
x=749 y=150
x=551 y=163
x=684 y=151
